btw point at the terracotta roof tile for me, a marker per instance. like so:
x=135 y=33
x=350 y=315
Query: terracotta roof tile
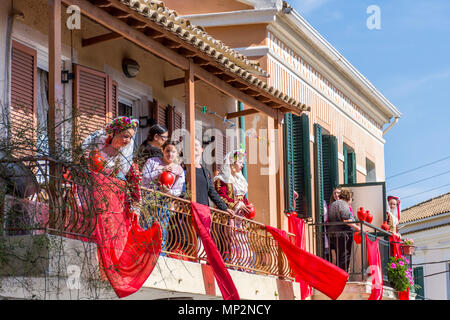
x=229 y=58
x=426 y=209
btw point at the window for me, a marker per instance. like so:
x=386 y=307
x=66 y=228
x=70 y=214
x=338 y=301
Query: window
x=349 y=165
x=370 y=171
x=125 y=110
x=419 y=280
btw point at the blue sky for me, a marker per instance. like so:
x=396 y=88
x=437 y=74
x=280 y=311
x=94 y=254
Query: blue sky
x=408 y=61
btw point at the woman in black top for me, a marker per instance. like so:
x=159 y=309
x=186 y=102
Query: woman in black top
x=151 y=147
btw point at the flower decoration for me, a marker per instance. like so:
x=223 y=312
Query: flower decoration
x=238 y=155
x=120 y=124
x=408 y=241
x=400 y=275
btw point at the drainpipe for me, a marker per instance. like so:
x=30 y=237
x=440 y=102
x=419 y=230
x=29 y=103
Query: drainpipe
x=391 y=125
x=242 y=136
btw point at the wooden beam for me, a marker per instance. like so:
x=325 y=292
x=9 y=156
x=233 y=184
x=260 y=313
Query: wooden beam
x=98 y=39
x=231 y=91
x=175 y=82
x=190 y=126
x=242 y=113
x=104 y=18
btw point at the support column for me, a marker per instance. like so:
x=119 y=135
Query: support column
x=55 y=100
x=54 y=74
x=190 y=127
x=280 y=172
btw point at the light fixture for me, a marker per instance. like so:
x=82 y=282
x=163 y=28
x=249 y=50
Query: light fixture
x=130 y=68
x=66 y=76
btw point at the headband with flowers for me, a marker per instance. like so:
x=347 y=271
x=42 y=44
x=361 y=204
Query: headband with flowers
x=238 y=155
x=120 y=124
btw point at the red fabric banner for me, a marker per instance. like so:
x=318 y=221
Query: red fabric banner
x=374 y=259
x=202 y=218
x=395 y=245
x=128 y=254
x=396 y=251
x=297 y=227
x=315 y=271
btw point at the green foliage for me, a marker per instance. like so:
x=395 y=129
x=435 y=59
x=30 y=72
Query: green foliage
x=400 y=274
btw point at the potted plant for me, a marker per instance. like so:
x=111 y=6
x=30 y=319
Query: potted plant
x=400 y=274
x=408 y=246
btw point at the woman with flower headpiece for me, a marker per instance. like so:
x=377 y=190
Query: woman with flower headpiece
x=127 y=253
x=232 y=187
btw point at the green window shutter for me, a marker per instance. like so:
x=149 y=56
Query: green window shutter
x=289 y=163
x=419 y=280
x=353 y=168
x=318 y=159
x=349 y=166
x=330 y=165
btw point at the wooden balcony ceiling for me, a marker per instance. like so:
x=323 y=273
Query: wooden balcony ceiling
x=163 y=25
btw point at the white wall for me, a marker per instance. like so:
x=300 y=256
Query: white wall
x=4 y=11
x=433 y=245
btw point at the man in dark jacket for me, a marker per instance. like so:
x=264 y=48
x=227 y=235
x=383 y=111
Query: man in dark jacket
x=205 y=188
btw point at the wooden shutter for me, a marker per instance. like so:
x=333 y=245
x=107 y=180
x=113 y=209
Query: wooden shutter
x=349 y=166
x=318 y=159
x=114 y=105
x=219 y=151
x=23 y=99
x=330 y=165
x=419 y=280
x=160 y=115
x=91 y=101
x=174 y=119
x=289 y=164
x=302 y=164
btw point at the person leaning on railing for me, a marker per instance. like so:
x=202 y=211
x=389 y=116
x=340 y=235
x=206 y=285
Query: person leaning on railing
x=341 y=235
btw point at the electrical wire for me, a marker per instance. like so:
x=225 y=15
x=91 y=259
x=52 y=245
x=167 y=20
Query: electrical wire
x=435 y=274
x=422 y=192
x=409 y=184
x=434 y=262
x=420 y=167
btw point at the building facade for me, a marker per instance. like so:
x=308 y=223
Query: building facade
x=428 y=224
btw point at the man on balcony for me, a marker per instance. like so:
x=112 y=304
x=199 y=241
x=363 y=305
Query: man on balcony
x=205 y=188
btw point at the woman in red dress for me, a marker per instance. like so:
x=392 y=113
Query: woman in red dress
x=127 y=253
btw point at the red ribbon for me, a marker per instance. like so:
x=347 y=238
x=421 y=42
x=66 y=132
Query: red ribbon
x=202 y=217
x=373 y=256
x=315 y=271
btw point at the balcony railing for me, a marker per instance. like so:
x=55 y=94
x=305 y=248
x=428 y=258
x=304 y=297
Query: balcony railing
x=64 y=206
x=244 y=244
x=339 y=247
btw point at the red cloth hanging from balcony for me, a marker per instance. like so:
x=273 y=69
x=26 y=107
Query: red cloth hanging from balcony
x=297 y=227
x=128 y=254
x=202 y=218
x=315 y=271
x=373 y=256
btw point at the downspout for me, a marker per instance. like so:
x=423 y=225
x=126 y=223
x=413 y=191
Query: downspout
x=242 y=136
x=391 y=125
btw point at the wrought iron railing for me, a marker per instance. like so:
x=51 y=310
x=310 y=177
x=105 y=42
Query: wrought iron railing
x=339 y=247
x=244 y=244
x=62 y=203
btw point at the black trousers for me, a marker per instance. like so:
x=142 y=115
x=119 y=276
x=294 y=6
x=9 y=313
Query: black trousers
x=342 y=243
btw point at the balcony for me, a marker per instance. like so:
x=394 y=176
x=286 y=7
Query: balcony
x=47 y=243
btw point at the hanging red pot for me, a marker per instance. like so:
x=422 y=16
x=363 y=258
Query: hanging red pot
x=369 y=217
x=167 y=179
x=361 y=214
x=385 y=226
x=357 y=237
x=252 y=212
